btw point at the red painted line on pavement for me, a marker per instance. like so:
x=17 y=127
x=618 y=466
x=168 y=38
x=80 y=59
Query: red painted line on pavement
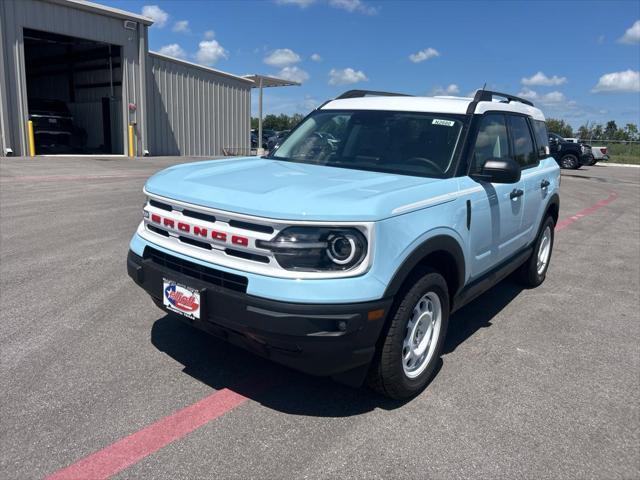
x=587 y=211
x=130 y=450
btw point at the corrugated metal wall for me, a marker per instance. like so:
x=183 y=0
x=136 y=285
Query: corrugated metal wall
x=66 y=19
x=195 y=110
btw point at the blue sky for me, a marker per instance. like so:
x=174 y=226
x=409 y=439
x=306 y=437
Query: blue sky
x=577 y=60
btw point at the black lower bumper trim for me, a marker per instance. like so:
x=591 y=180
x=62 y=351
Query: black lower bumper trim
x=317 y=339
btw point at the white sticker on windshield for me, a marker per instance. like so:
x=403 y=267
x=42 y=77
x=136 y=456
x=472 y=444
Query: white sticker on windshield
x=446 y=123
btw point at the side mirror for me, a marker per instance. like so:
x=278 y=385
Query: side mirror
x=499 y=170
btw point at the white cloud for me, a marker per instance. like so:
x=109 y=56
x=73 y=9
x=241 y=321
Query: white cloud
x=354 y=6
x=181 y=26
x=297 y=3
x=423 y=55
x=632 y=35
x=451 y=89
x=540 y=79
x=346 y=76
x=316 y=58
x=551 y=98
x=210 y=51
x=155 y=13
x=294 y=74
x=282 y=57
x=209 y=34
x=173 y=50
x=627 y=81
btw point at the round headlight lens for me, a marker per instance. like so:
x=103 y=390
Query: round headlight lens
x=341 y=248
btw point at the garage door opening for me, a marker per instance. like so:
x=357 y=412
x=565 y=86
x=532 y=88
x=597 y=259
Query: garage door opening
x=74 y=94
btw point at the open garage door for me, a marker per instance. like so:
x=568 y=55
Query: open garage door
x=74 y=90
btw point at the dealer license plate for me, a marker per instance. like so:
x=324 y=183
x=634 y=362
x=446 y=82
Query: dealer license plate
x=181 y=299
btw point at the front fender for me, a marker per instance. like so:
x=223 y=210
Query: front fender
x=436 y=243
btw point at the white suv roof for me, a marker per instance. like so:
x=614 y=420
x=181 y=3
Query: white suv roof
x=455 y=105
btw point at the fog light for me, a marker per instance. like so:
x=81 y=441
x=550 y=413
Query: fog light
x=342 y=326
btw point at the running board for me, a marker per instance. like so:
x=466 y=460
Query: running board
x=484 y=283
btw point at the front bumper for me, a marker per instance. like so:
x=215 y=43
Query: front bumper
x=330 y=340
x=586 y=159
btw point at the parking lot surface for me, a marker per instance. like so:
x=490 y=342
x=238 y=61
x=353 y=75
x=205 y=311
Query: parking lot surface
x=97 y=382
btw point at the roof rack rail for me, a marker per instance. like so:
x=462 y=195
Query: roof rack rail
x=487 y=96
x=369 y=93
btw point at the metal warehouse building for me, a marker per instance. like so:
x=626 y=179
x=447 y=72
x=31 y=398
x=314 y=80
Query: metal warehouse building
x=77 y=77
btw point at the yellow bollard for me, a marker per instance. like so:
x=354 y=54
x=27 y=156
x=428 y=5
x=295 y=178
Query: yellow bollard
x=32 y=141
x=130 y=140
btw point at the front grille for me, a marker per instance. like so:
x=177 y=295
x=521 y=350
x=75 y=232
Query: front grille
x=200 y=216
x=251 y=226
x=194 y=270
x=163 y=206
x=157 y=230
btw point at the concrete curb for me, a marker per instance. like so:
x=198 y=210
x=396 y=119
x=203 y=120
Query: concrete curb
x=618 y=165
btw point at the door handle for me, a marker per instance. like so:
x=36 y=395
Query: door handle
x=516 y=192
x=544 y=184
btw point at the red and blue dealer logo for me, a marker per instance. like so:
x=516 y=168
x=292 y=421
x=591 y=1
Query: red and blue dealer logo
x=181 y=298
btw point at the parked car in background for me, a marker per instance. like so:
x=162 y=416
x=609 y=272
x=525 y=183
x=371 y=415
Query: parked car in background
x=53 y=128
x=276 y=139
x=254 y=141
x=600 y=153
x=569 y=154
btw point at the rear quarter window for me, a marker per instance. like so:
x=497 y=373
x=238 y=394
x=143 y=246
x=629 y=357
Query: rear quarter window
x=542 y=138
x=524 y=151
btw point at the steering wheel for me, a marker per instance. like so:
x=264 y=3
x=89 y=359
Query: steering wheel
x=425 y=161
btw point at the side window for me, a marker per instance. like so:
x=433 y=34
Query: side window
x=491 y=141
x=542 y=138
x=523 y=150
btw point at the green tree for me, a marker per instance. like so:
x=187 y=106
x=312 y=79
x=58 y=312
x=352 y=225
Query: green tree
x=278 y=122
x=560 y=127
x=584 y=132
x=631 y=131
x=611 y=130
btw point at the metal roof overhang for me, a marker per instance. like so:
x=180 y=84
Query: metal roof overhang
x=264 y=81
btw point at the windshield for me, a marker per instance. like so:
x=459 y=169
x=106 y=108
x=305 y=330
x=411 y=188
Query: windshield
x=406 y=143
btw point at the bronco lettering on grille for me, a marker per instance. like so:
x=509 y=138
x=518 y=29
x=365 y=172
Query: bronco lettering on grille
x=198 y=231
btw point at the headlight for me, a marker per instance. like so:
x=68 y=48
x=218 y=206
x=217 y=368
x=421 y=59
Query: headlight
x=317 y=249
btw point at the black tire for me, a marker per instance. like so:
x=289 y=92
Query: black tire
x=529 y=274
x=570 y=161
x=387 y=374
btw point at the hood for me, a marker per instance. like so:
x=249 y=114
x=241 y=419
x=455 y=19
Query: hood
x=289 y=191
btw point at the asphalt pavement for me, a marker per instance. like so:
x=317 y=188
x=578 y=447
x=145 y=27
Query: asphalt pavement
x=540 y=384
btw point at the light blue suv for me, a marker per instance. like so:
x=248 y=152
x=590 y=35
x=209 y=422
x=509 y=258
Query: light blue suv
x=345 y=250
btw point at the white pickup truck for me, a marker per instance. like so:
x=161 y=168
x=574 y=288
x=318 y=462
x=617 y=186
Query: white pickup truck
x=599 y=153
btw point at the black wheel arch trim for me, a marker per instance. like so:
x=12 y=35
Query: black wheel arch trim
x=553 y=201
x=434 y=244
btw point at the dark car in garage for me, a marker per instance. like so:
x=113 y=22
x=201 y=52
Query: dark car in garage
x=53 y=128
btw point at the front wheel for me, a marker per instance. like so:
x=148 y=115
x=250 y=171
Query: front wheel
x=412 y=346
x=570 y=161
x=534 y=270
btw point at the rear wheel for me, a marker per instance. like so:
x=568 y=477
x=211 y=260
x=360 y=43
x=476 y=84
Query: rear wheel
x=534 y=270
x=411 y=349
x=569 y=161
